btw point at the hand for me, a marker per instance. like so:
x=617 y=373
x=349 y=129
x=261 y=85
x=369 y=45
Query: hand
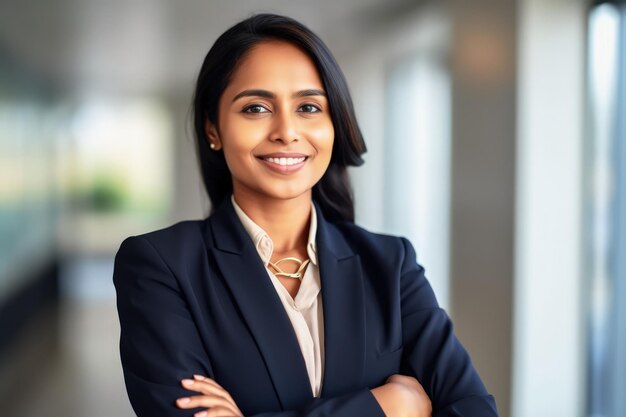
x=403 y=396
x=424 y=405
x=216 y=398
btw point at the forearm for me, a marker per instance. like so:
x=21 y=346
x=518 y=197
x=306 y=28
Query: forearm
x=358 y=403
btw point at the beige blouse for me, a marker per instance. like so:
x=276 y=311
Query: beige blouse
x=305 y=311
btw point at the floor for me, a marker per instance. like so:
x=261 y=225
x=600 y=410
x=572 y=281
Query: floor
x=66 y=362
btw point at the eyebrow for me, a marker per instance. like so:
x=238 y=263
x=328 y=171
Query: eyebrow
x=269 y=94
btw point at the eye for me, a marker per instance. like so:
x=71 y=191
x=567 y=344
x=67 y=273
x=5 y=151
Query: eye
x=310 y=108
x=254 y=108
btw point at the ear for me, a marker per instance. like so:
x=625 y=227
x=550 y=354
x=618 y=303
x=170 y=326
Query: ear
x=211 y=133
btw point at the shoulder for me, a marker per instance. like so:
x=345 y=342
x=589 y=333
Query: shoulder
x=355 y=233
x=182 y=229
x=367 y=243
x=179 y=238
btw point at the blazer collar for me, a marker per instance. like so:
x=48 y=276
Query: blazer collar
x=342 y=301
x=264 y=244
x=224 y=222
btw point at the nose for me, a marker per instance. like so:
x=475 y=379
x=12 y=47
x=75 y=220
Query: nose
x=284 y=128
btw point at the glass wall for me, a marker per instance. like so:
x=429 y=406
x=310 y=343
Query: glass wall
x=30 y=122
x=116 y=171
x=606 y=208
x=417 y=161
x=77 y=174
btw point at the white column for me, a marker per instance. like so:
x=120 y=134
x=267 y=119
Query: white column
x=549 y=342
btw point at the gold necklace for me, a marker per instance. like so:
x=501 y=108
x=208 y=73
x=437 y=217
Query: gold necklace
x=298 y=274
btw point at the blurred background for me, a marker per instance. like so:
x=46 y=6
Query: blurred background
x=495 y=144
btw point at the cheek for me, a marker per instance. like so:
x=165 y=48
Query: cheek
x=324 y=136
x=242 y=133
x=240 y=139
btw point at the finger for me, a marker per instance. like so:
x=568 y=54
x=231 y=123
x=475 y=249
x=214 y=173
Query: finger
x=201 y=380
x=212 y=382
x=220 y=412
x=204 y=401
x=206 y=379
x=206 y=386
x=207 y=401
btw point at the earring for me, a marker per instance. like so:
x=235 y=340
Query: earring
x=212 y=145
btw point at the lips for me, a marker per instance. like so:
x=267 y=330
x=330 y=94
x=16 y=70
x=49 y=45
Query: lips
x=283 y=162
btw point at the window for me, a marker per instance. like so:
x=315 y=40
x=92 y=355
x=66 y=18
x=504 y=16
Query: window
x=417 y=161
x=606 y=208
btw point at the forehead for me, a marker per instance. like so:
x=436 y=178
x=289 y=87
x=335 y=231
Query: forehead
x=275 y=65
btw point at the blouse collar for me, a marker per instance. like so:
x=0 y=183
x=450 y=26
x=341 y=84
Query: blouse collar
x=263 y=243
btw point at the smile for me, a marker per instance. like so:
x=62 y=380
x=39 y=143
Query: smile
x=285 y=161
x=284 y=165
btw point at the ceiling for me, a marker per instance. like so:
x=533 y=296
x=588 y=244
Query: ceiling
x=156 y=46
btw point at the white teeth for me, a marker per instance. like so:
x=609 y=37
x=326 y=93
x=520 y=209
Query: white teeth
x=285 y=161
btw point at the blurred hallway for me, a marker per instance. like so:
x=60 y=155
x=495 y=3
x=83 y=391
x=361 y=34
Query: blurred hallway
x=66 y=360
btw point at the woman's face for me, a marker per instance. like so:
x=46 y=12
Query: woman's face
x=275 y=127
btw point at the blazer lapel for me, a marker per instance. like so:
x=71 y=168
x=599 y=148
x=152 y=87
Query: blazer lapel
x=344 y=310
x=245 y=274
x=342 y=300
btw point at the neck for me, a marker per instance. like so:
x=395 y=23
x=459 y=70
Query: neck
x=286 y=221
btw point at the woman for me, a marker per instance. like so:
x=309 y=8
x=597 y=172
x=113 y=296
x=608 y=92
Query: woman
x=277 y=304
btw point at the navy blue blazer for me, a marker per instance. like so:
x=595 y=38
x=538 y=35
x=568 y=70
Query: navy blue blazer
x=195 y=298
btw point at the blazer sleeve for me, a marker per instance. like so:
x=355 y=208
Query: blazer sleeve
x=360 y=403
x=160 y=344
x=432 y=353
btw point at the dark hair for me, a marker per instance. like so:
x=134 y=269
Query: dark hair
x=333 y=192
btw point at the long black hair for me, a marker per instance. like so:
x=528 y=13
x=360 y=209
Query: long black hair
x=333 y=192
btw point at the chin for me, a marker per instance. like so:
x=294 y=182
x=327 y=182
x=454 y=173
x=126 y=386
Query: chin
x=276 y=189
x=287 y=193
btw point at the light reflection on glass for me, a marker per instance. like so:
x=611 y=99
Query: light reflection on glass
x=603 y=54
x=417 y=162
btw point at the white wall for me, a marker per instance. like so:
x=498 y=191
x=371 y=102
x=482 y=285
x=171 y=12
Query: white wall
x=549 y=343
x=400 y=86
